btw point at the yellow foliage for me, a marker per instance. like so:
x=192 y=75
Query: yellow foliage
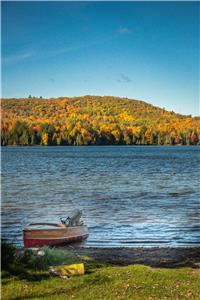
x=85 y=120
x=44 y=140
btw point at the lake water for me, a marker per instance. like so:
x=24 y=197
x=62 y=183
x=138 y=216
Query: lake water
x=130 y=195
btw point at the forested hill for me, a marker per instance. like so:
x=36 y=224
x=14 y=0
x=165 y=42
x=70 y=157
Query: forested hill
x=92 y=120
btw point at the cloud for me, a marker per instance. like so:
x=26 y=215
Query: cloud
x=60 y=51
x=85 y=28
x=124 y=78
x=78 y=47
x=39 y=54
x=52 y=80
x=15 y=58
x=124 y=30
x=19 y=57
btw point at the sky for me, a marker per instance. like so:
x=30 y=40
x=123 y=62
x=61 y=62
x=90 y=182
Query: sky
x=140 y=50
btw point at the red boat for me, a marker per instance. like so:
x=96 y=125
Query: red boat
x=69 y=230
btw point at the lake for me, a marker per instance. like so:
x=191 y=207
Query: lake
x=131 y=196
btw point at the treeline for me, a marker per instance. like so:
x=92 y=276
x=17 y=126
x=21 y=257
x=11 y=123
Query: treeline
x=93 y=120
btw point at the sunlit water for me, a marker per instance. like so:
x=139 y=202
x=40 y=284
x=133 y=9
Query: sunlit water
x=130 y=195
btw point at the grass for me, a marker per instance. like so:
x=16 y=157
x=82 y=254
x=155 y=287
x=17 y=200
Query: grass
x=102 y=282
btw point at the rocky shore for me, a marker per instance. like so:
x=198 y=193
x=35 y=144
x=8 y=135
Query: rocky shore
x=154 y=257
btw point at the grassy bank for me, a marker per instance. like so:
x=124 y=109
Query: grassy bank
x=131 y=282
x=26 y=277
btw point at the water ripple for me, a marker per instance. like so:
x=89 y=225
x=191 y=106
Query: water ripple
x=141 y=196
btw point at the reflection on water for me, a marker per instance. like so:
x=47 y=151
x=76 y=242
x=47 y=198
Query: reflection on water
x=130 y=196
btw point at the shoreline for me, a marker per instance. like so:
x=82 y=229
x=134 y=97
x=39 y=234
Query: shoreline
x=168 y=257
x=99 y=145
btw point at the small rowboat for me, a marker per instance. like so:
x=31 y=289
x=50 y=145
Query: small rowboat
x=69 y=230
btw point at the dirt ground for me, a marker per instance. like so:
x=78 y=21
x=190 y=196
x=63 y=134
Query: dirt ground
x=155 y=257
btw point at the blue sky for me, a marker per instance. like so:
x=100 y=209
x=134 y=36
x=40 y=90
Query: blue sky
x=140 y=50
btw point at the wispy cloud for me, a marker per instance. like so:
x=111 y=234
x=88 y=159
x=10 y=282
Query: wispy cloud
x=18 y=57
x=38 y=54
x=63 y=50
x=124 y=78
x=85 y=28
x=51 y=79
x=124 y=30
x=79 y=47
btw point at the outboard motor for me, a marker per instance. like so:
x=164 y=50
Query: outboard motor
x=73 y=219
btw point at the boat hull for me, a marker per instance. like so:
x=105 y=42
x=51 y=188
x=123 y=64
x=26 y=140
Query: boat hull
x=56 y=236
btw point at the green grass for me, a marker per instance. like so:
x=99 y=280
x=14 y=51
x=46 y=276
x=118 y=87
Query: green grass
x=132 y=282
x=100 y=282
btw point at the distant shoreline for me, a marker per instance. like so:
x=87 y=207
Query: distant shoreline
x=90 y=146
x=94 y=120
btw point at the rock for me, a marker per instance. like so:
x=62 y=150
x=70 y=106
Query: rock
x=40 y=253
x=197 y=265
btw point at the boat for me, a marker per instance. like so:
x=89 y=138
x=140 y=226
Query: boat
x=70 y=229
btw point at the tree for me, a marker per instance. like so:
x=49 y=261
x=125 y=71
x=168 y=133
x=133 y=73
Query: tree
x=45 y=139
x=93 y=120
x=20 y=134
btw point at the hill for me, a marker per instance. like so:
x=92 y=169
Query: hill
x=94 y=120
